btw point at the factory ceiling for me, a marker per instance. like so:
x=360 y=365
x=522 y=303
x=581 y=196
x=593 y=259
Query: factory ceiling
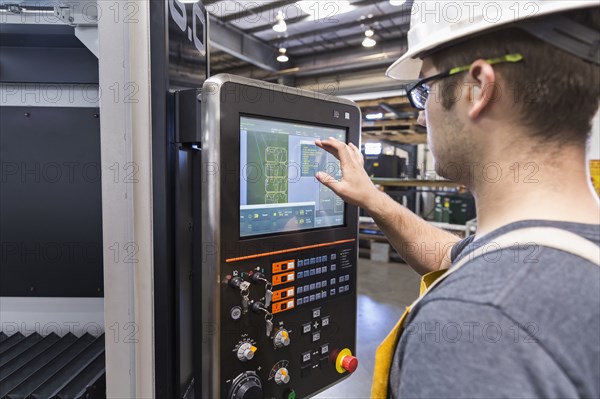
x=324 y=41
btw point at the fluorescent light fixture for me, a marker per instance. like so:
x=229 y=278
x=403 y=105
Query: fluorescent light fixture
x=369 y=41
x=372 y=148
x=319 y=9
x=397 y=2
x=374 y=116
x=280 y=26
x=282 y=57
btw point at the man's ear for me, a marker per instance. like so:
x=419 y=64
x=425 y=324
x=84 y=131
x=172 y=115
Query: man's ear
x=483 y=81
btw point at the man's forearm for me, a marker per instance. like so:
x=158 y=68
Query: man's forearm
x=424 y=247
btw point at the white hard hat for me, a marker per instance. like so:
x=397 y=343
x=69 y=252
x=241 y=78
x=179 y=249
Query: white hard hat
x=437 y=23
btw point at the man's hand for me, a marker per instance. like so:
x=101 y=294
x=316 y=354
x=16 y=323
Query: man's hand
x=404 y=230
x=355 y=187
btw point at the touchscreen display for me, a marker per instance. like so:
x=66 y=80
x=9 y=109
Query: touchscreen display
x=278 y=188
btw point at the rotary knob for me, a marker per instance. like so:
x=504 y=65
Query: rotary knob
x=246 y=351
x=282 y=376
x=246 y=386
x=282 y=338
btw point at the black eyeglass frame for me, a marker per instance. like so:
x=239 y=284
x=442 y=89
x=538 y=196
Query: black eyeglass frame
x=423 y=91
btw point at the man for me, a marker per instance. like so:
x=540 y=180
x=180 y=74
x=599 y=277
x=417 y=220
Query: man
x=507 y=95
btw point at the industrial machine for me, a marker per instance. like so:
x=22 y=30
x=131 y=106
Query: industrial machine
x=204 y=261
x=280 y=250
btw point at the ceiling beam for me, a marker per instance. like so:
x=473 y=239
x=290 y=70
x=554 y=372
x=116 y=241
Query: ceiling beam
x=235 y=42
x=248 y=11
x=291 y=21
x=358 y=37
x=348 y=25
x=268 y=26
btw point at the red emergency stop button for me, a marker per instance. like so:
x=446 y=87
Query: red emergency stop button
x=349 y=363
x=345 y=362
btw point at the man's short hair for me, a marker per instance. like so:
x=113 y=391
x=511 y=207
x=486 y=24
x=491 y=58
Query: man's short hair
x=555 y=94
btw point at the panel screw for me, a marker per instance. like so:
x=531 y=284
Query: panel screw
x=96 y=116
x=32 y=289
x=27 y=114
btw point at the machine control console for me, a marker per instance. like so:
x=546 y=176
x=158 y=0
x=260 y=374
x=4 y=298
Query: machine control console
x=279 y=249
x=306 y=334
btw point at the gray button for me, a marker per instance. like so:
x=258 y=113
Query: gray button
x=306 y=356
x=316 y=336
x=316 y=313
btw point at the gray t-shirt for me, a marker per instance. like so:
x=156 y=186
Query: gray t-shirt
x=519 y=323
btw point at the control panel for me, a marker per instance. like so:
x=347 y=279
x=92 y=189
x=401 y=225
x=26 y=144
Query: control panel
x=289 y=320
x=279 y=249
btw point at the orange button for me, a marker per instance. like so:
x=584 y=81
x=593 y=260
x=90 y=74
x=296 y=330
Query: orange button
x=282 y=306
x=282 y=294
x=283 y=266
x=283 y=278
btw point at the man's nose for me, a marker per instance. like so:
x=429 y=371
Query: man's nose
x=421 y=120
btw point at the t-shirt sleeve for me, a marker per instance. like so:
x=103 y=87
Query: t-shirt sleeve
x=459 y=247
x=453 y=349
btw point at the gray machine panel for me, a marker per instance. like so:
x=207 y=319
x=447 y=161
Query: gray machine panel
x=50 y=202
x=224 y=99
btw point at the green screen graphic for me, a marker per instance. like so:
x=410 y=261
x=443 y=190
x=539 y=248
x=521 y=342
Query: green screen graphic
x=278 y=188
x=271 y=151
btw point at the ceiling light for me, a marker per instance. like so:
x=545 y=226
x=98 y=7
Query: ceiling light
x=374 y=116
x=282 y=57
x=397 y=2
x=325 y=9
x=369 y=41
x=280 y=26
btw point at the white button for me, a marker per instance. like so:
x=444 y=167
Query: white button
x=316 y=313
x=347 y=115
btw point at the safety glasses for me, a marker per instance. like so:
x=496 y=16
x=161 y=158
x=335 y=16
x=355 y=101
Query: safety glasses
x=418 y=92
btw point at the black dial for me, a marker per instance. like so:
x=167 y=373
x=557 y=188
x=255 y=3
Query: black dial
x=246 y=386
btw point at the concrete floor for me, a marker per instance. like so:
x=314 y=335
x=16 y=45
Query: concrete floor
x=384 y=290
